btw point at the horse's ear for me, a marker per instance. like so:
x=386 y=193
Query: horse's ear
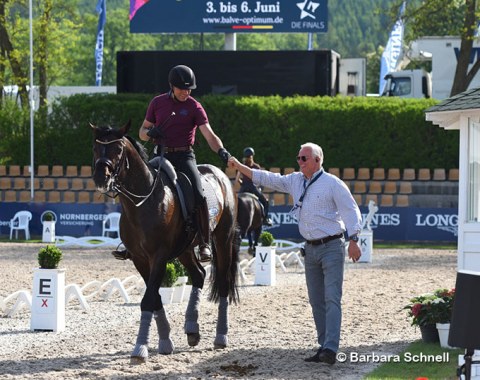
x=92 y=126
x=126 y=127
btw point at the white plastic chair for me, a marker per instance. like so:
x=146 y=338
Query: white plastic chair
x=21 y=221
x=111 y=224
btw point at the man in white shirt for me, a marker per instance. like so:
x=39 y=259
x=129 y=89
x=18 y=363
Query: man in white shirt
x=325 y=210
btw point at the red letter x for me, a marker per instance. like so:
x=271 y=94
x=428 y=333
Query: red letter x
x=44 y=302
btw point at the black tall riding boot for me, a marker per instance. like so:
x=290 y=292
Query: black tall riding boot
x=266 y=220
x=203 y=218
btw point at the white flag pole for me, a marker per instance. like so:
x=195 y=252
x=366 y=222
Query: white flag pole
x=32 y=104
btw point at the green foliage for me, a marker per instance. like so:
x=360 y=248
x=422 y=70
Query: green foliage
x=181 y=270
x=14 y=132
x=49 y=257
x=382 y=132
x=170 y=276
x=431 y=308
x=413 y=369
x=388 y=132
x=48 y=217
x=434 y=18
x=266 y=238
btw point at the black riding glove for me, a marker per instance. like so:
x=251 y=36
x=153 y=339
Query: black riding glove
x=155 y=133
x=224 y=155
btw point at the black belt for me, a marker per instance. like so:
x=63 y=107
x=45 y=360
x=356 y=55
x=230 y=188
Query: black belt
x=187 y=148
x=324 y=240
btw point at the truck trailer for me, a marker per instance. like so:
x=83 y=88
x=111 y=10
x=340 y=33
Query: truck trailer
x=442 y=52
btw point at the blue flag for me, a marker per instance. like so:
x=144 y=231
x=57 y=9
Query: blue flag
x=102 y=18
x=392 y=51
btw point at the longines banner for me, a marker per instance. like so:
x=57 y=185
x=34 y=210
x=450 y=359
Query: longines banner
x=232 y=16
x=388 y=224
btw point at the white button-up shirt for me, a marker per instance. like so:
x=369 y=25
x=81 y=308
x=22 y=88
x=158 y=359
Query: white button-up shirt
x=328 y=207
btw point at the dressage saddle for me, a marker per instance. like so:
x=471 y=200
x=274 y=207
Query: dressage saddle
x=184 y=190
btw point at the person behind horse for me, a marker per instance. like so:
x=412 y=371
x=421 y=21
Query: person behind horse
x=325 y=210
x=171 y=121
x=247 y=186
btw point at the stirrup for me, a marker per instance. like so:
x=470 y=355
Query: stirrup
x=121 y=255
x=204 y=253
x=267 y=221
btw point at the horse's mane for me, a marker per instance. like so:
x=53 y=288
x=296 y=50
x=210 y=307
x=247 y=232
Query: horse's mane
x=139 y=147
x=104 y=131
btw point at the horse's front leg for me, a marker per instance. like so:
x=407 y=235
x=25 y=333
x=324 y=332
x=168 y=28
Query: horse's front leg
x=140 y=351
x=165 y=344
x=221 y=339
x=151 y=305
x=192 y=328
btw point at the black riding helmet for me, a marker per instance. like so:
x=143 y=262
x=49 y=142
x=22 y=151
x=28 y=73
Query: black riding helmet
x=247 y=152
x=182 y=77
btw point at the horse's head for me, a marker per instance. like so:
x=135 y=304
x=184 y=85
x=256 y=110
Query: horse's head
x=108 y=155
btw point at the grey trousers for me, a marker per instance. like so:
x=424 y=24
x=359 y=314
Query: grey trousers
x=324 y=265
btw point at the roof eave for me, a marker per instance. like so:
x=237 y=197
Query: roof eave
x=450 y=119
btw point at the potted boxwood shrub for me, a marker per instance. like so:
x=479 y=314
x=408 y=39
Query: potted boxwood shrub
x=180 y=284
x=49 y=257
x=267 y=239
x=48 y=217
x=166 y=287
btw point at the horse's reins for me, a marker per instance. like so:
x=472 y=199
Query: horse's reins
x=117 y=185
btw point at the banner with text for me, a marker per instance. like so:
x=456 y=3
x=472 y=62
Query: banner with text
x=388 y=224
x=198 y=16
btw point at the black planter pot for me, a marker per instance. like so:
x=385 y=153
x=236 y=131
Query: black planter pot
x=429 y=333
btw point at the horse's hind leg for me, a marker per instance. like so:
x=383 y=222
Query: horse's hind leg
x=165 y=344
x=251 y=245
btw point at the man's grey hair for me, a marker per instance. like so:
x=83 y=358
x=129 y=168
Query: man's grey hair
x=316 y=150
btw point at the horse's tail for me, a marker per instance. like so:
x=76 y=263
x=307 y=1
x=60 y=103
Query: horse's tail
x=231 y=272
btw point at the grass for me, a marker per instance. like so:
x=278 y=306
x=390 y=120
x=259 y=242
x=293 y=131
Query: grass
x=420 y=360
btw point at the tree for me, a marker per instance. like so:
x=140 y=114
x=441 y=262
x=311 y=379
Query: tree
x=10 y=55
x=445 y=17
x=54 y=32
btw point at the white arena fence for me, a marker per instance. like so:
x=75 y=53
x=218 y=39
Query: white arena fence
x=115 y=287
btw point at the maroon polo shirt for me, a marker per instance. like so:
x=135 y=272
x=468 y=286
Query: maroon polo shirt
x=180 y=129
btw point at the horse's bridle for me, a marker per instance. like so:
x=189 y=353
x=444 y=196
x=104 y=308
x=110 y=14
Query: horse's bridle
x=117 y=186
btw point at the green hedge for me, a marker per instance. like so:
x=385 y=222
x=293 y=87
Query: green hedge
x=353 y=132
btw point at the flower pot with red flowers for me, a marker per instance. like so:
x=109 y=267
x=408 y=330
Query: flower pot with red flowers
x=428 y=309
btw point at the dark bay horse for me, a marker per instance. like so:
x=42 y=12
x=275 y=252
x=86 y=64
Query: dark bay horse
x=250 y=219
x=153 y=230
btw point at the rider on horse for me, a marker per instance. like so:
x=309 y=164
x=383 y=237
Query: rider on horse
x=247 y=186
x=171 y=121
